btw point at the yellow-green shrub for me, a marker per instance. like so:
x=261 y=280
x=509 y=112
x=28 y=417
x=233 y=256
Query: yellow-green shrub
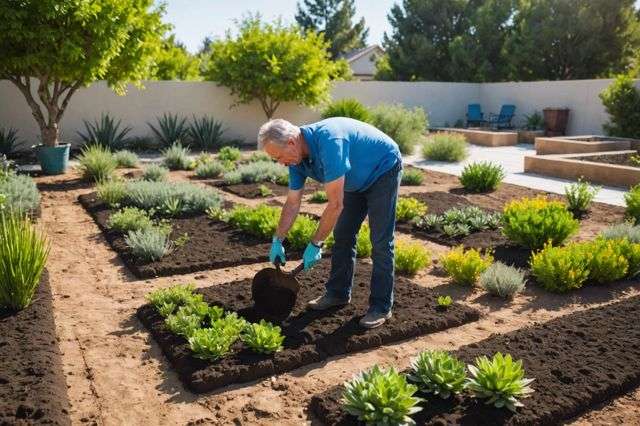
x=411 y=257
x=560 y=269
x=409 y=208
x=465 y=266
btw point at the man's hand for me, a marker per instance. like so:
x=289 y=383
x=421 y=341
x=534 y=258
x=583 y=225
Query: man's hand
x=312 y=255
x=277 y=251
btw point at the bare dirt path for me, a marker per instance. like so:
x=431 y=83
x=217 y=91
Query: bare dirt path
x=117 y=375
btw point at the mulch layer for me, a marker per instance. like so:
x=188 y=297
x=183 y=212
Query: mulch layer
x=211 y=244
x=32 y=384
x=578 y=361
x=252 y=190
x=618 y=159
x=310 y=336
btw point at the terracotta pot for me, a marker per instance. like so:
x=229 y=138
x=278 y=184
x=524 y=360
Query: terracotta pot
x=556 y=120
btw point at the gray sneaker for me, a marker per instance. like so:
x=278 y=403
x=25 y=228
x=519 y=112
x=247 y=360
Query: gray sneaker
x=325 y=302
x=374 y=319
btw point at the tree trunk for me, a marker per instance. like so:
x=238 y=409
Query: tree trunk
x=50 y=135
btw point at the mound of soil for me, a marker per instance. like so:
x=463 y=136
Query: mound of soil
x=578 y=361
x=32 y=384
x=210 y=244
x=311 y=336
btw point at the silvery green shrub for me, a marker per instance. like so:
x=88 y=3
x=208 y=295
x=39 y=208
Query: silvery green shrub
x=622 y=230
x=259 y=171
x=176 y=157
x=502 y=280
x=156 y=195
x=148 y=244
x=21 y=193
x=155 y=173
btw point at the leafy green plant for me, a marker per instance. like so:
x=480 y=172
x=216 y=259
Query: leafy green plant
x=444 y=301
x=181 y=240
x=465 y=266
x=502 y=280
x=500 y=381
x=259 y=156
x=155 y=173
x=283 y=180
x=260 y=171
x=106 y=132
x=229 y=153
x=459 y=221
x=411 y=257
x=349 y=107
x=206 y=133
x=170 y=129
x=579 y=197
x=621 y=100
x=177 y=295
x=632 y=202
x=96 y=163
x=183 y=323
x=560 y=269
x=301 y=232
x=405 y=126
x=8 y=140
x=265 y=191
x=439 y=373
x=379 y=397
x=148 y=244
x=444 y=146
x=111 y=191
x=630 y=250
x=409 y=208
x=21 y=195
x=260 y=221
x=532 y=222
x=23 y=254
x=211 y=343
x=129 y=219
x=483 y=176
x=263 y=337
x=535 y=121
x=176 y=157
x=126 y=159
x=412 y=177
x=318 y=197
x=210 y=170
x=622 y=230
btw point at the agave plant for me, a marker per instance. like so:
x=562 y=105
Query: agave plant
x=439 y=373
x=106 y=132
x=169 y=129
x=8 y=140
x=206 y=133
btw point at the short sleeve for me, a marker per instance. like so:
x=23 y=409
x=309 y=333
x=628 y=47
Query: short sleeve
x=334 y=156
x=296 y=178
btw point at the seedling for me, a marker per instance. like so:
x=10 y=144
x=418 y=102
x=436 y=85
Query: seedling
x=181 y=240
x=318 y=197
x=265 y=191
x=444 y=301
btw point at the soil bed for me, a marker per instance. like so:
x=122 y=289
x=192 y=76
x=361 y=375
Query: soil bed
x=619 y=159
x=32 y=384
x=578 y=361
x=310 y=336
x=211 y=244
x=252 y=190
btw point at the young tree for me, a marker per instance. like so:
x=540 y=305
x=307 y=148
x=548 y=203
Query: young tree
x=622 y=102
x=272 y=64
x=333 y=18
x=174 y=62
x=55 y=47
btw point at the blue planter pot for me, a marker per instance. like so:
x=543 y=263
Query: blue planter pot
x=54 y=160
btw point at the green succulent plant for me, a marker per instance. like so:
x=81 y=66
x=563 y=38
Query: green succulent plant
x=439 y=373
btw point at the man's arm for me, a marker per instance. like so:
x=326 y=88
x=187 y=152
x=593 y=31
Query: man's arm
x=335 y=194
x=289 y=212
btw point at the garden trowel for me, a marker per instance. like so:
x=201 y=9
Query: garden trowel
x=274 y=291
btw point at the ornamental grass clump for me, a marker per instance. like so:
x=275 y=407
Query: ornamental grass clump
x=96 y=163
x=405 y=126
x=210 y=170
x=632 y=203
x=21 y=195
x=451 y=147
x=129 y=219
x=532 y=222
x=411 y=257
x=349 y=107
x=263 y=337
x=560 y=269
x=465 y=266
x=438 y=373
x=155 y=173
x=260 y=171
x=176 y=157
x=409 y=208
x=502 y=280
x=112 y=192
x=579 y=197
x=412 y=177
x=381 y=397
x=500 y=381
x=23 y=254
x=482 y=176
x=148 y=244
x=318 y=197
x=229 y=153
x=126 y=159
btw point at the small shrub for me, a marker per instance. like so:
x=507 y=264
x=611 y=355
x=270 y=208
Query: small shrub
x=111 y=192
x=229 y=153
x=621 y=101
x=261 y=171
x=500 y=381
x=301 y=232
x=409 y=208
x=259 y=156
x=21 y=195
x=464 y=267
x=206 y=133
x=210 y=170
x=381 y=397
x=412 y=177
x=155 y=173
x=126 y=159
x=283 y=180
x=129 y=219
x=318 y=197
x=23 y=254
x=211 y=343
x=260 y=221
x=157 y=196
x=263 y=337
x=351 y=108
x=170 y=129
x=176 y=157
x=579 y=197
x=444 y=301
x=502 y=280
x=8 y=141
x=148 y=244
x=405 y=126
x=482 y=176
x=96 y=163
x=560 y=269
x=411 y=257
x=265 y=191
x=532 y=222
x=106 y=132
x=622 y=230
x=631 y=252
x=632 y=202
x=451 y=147
x=606 y=261
x=439 y=373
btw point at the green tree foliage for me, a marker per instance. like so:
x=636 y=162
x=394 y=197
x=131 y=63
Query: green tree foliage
x=51 y=48
x=622 y=102
x=272 y=63
x=174 y=62
x=333 y=19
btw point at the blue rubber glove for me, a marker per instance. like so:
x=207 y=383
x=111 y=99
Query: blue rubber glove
x=312 y=255
x=277 y=251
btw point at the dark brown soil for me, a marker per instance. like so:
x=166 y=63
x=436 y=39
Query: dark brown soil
x=32 y=384
x=210 y=245
x=252 y=190
x=310 y=336
x=578 y=361
x=618 y=159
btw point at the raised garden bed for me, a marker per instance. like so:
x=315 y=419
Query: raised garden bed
x=485 y=137
x=578 y=361
x=32 y=384
x=621 y=159
x=310 y=336
x=582 y=144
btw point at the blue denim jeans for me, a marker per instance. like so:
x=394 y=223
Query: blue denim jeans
x=379 y=202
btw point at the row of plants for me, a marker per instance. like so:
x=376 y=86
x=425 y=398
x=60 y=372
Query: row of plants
x=210 y=331
x=386 y=397
x=18 y=193
x=458 y=221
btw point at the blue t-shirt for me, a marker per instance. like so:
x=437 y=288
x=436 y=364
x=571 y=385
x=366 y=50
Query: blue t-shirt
x=346 y=147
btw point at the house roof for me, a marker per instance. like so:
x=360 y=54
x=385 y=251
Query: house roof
x=357 y=53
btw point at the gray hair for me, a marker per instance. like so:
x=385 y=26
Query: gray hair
x=277 y=131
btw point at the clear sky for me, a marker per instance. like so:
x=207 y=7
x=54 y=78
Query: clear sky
x=193 y=20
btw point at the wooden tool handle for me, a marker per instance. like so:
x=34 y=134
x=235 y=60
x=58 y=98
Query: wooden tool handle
x=299 y=268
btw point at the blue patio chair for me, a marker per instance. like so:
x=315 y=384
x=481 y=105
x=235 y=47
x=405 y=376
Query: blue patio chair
x=502 y=120
x=475 y=115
